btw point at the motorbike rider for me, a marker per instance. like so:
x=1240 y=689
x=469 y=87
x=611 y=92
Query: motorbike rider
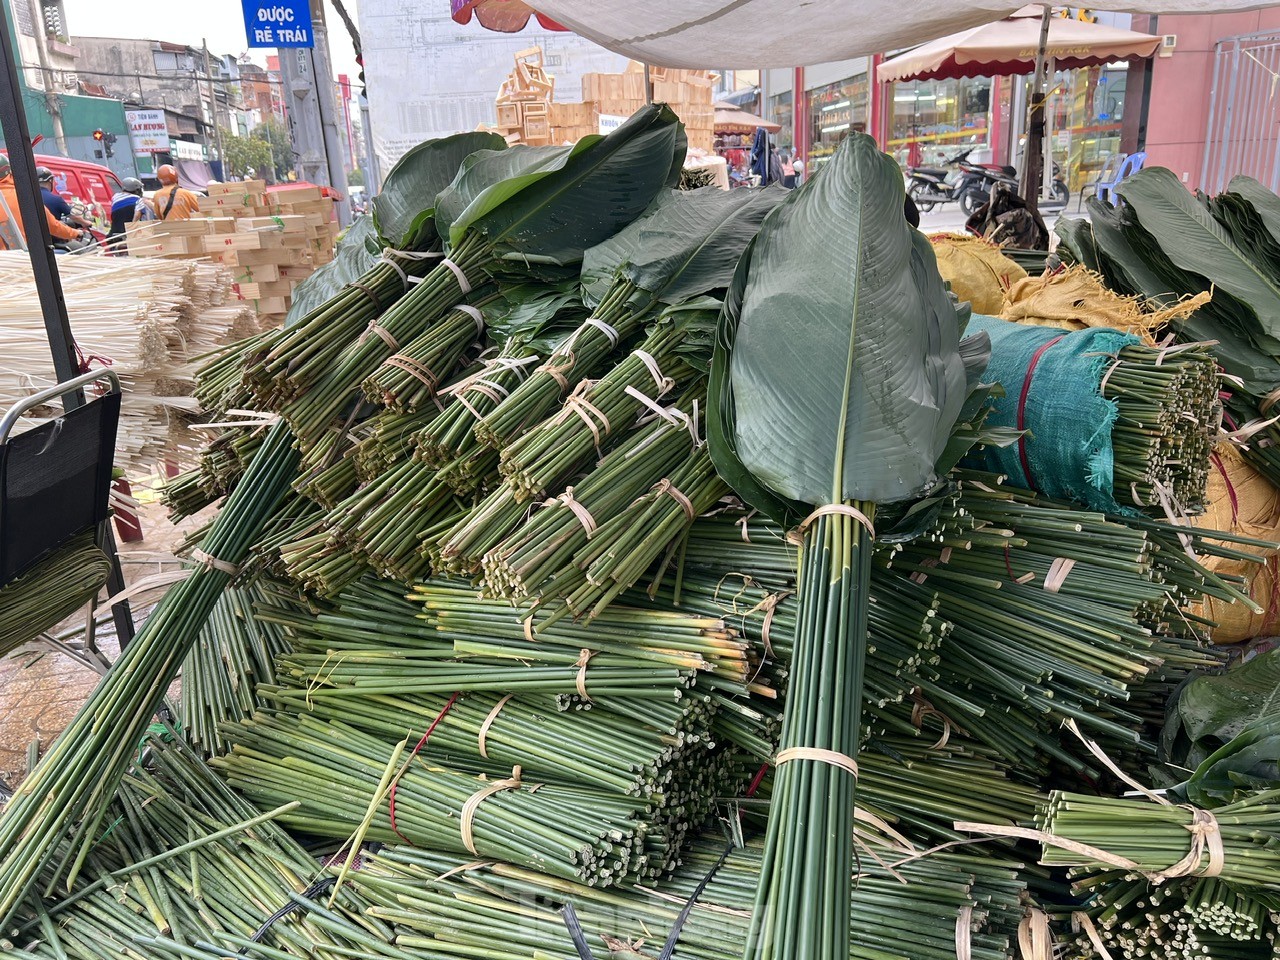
x=126 y=206
x=57 y=229
x=53 y=201
x=172 y=202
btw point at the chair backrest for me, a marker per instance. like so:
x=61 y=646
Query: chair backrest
x=55 y=482
x=1132 y=164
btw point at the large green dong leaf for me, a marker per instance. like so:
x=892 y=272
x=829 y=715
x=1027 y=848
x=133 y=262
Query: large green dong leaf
x=403 y=211
x=548 y=204
x=1194 y=241
x=839 y=345
x=685 y=245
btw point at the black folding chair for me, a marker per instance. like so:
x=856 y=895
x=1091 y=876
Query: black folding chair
x=55 y=484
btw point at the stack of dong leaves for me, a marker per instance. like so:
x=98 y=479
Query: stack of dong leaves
x=599 y=564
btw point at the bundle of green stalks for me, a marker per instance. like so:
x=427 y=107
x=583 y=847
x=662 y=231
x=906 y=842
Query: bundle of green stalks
x=409 y=379
x=187 y=494
x=580 y=355
x=1016 y=652
x=66 y=796
x=183 y=867
x=595 y=412
x=1167 y=405
x=294 y=358
x=371 y=641
x=1133 y=920
x=555 y=543
x=51 y=589
x=233 y=654
x=340 y=774
x=953 y=905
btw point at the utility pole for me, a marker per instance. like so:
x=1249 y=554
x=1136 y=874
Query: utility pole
x=372 y=174
x=213 y=109
x=313 y=123
x=52 y=104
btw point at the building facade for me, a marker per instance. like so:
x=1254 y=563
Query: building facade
x=56 y=96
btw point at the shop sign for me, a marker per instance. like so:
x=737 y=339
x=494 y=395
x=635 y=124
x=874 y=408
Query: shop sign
x=185 y=150
x=609 y=123
x=148 y=131
x=278 y=23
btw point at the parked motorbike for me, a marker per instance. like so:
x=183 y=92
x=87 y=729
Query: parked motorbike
x=988 y=175
x=930 y=187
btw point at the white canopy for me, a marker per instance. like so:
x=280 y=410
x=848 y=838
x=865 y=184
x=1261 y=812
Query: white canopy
x=745 y=34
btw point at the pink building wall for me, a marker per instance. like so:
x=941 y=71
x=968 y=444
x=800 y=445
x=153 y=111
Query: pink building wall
x=1181 y=84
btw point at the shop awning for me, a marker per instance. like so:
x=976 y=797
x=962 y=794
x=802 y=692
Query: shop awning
x=729 y=119
x=1008 y=48
x=781 y=33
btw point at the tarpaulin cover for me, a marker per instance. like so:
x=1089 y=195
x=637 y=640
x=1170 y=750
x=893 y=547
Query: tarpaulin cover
x=1051 y=380
x=750 y=34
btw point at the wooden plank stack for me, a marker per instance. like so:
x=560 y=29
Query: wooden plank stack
x=524 y=101
x=269 y=241
x=527 y=112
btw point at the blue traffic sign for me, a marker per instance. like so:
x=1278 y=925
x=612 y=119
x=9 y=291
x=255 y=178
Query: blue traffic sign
x=278 y=23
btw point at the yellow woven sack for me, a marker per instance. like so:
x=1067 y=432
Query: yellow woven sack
x=1076 y=298
x=977 y=271
x=1241 y=500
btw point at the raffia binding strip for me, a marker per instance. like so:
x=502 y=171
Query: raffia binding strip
x=582 y=513
x=818 y=754
x=368 y=292
x=416 y=369
x=666 y=486
x=1057 y=575
x=921 y=709
x=213 y=563
x=1206 y=837
x=473 y=313
x=390 y=255
x=488 y=722
x=473 y=803
x=1035 y=941
x=832 y=509
x=584 y=657
x=1082 y=921
x=585 y=410
x=964 y=933
x=663 y=382
x=463 y=283
x=383 y=334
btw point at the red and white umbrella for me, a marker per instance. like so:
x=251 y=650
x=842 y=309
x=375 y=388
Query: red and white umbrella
x=504 y=16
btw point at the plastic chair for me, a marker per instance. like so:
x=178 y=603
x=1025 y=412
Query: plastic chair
x=55 y=481
x=1106 y=190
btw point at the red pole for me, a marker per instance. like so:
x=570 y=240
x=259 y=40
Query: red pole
x=800 y=119
x=875 y=115
x=996 y=123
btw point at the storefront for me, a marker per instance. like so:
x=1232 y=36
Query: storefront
x=1087 y=109
x=835 y=110
x=933 y=119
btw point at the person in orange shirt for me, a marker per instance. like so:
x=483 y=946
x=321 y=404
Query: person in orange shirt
x=58 y=229
x=172 y=202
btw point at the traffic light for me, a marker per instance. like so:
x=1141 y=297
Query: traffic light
x=99 y=135
x=109 y=142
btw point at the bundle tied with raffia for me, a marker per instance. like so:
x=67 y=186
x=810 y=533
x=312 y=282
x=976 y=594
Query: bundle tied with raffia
x=1152 y=837
x=1077 y=298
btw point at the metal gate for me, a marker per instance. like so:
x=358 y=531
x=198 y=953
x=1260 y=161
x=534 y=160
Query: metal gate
x=1243 y=134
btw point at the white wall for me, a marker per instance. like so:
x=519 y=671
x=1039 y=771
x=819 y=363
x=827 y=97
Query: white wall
x=429 y=77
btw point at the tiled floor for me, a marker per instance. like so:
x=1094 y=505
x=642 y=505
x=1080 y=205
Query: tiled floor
x=40 y=690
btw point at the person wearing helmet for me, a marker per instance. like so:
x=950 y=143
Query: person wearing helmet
x=126 y=206
x=53 y=201
x=172 y=202
x=9 y=191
